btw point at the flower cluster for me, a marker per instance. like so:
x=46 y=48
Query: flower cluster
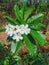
x=17 y=31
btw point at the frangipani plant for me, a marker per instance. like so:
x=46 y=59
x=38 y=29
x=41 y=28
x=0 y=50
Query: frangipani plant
x=23 y=26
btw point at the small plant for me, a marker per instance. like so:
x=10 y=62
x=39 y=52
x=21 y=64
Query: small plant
x=24 y=28
x=42 y=7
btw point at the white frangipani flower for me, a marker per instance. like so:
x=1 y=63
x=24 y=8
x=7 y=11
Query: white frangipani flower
x=26 y=29
x=7 y=29
x=17 y=37
x=17 y=31
x=20 y=29
x=10 y=29
x=10 y=26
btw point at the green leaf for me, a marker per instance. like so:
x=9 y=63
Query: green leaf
x=16 y=46
x=17 y=58
x=22 y=10
x=9 y=39
x=28 y=12
x=30 y=46
x=5 y=62
x=1 y=46
x=13 y=47
x=33 y=27
x=11 y=20
x=35 y=18
x=38 y=37
x=2 y=30
x=21 y=14
x=17 y=13
x=37 y=26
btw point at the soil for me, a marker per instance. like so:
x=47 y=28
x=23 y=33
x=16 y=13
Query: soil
x=3 y=37
x=47 y=36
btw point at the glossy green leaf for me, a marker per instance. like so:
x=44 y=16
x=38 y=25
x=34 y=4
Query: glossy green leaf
x=17 y=13
x=34 y=27
x=2 y=30
x=37 y=26
x=16 y=46
x=35 y=18
x=28 y=12
x=12 y=20
x=30 y=46
x=13 y=47
x=38 y=37
x=21 y=14
x=40 y=25
x=22 y=10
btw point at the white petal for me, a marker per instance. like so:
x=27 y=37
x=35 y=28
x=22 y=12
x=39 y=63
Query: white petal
x=17 y=40
x=26 y=26
x=11 y=34
x=22 y=25
x=13 y=38
x=21 y=38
